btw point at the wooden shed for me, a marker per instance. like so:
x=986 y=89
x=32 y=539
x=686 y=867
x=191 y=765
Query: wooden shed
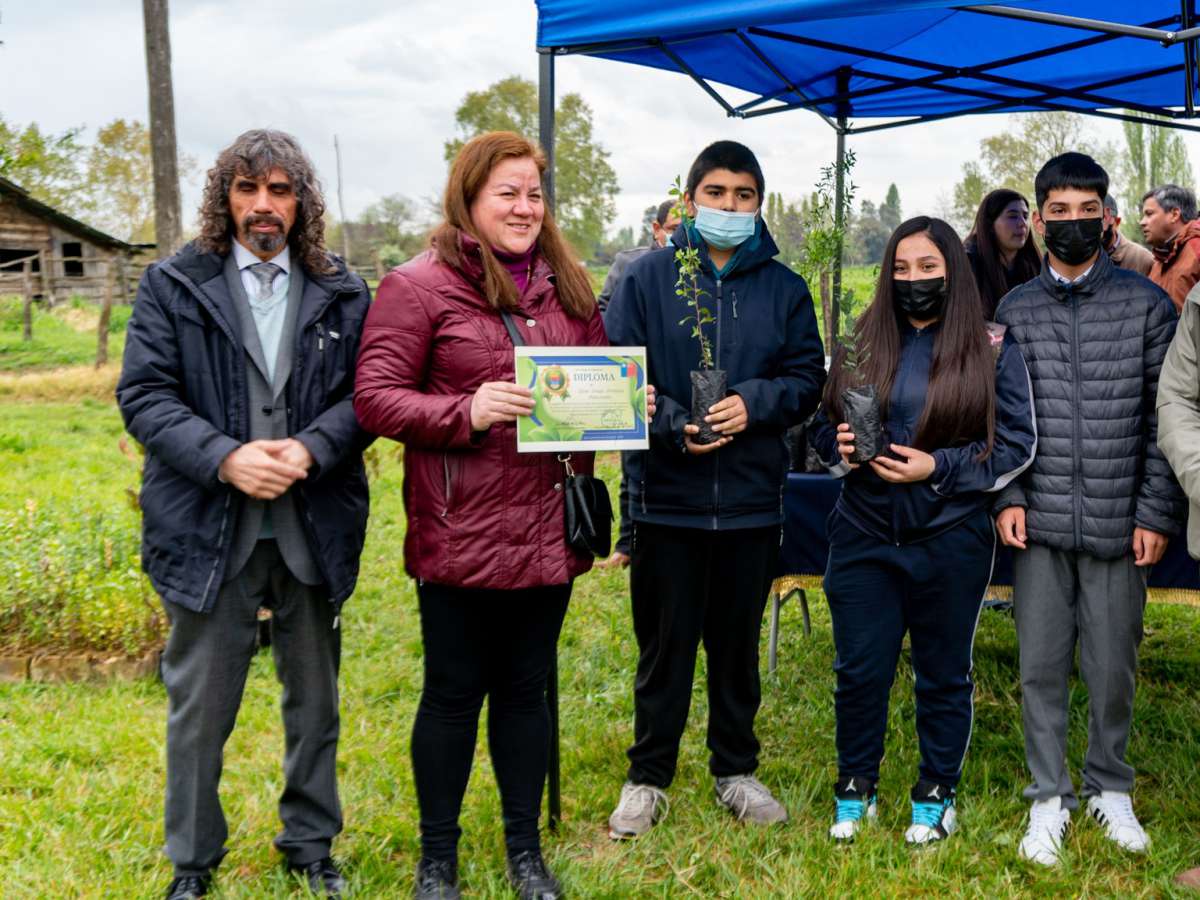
x=64 y=256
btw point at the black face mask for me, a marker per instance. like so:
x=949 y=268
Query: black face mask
x=922 y=299
x=1108 y=237
x=1074 y=241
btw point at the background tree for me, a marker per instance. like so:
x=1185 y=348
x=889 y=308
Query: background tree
x=889 y=210
x=869 y=234
x=646 y=235
x=585 y=183
x=968 y=194
x=1012 y=158
x=786 y=221
x=45 y=164
x=119 y=182
x=1152 y=156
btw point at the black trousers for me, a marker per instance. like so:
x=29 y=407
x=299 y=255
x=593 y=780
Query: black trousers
x=689 y=586
x=625 y=520
x=934 y=590
x=494 y=643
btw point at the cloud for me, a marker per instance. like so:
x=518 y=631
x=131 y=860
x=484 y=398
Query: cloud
x=386 y=77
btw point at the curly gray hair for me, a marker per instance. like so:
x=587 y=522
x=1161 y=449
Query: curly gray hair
x=255 y=153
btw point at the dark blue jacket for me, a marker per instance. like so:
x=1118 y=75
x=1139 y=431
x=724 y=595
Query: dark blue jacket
x=960 y=484
x=765 y=338
x=183 y=396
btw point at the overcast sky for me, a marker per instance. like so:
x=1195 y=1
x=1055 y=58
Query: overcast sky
x=386 y=77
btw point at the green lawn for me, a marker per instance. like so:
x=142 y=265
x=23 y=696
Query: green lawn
x=81 y=767
x=64 y=336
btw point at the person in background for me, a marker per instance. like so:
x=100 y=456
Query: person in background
x=1093 y=512
x=238 y=378
x=1124 y=253
x=1179 y=436
x=1173 y=235
x=707 y=517
x=1000 y=247
x=485 y=540
x=666 y=220
x=911 y=542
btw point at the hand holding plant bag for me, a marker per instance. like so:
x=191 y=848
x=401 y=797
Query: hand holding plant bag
x=860 y=407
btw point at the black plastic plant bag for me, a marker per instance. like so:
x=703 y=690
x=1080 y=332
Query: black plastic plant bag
x=708 y=387
x=860 y=409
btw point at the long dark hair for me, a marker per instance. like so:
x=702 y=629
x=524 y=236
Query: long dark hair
x=255 y=153
x=992 y=278
x=960 y=403
x=468 y=174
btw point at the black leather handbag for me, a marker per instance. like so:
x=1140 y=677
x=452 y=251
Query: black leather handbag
x=588 y=513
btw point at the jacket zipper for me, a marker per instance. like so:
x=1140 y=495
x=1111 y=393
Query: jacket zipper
x=903 y=374
x=446 y=482
x=1076 y=462
x=716 y=463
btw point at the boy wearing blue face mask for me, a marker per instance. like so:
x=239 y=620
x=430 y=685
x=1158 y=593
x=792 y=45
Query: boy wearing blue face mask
x=707 y=517
x=1093 y=512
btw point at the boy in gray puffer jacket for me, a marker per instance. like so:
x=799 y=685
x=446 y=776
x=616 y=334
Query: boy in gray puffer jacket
x=1095 y=509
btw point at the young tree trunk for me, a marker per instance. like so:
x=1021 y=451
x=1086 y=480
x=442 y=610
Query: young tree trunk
x=827 y=305
x=168 y=226
x=105 y=317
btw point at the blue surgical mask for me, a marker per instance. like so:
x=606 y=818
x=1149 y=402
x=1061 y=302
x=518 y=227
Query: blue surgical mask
x=724 y=230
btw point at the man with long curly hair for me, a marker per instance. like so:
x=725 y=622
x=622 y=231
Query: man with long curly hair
x=238 y=380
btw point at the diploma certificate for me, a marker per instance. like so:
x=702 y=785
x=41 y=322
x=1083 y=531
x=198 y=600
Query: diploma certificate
x=585 y=398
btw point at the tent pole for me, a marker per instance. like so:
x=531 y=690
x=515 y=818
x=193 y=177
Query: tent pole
x=546 y=138
x=839 y=224
x=839 y=211
x=546 y=120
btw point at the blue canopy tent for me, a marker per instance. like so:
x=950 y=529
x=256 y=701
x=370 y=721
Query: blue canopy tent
x=906 y=61
x=901 y=61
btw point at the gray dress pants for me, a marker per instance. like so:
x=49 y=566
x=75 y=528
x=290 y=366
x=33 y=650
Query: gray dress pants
x=204 y=667
x=1060 y=597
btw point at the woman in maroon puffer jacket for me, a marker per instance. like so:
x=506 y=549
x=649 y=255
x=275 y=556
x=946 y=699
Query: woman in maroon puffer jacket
x=485 y=538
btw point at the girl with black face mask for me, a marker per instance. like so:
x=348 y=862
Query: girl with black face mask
x=911 y=542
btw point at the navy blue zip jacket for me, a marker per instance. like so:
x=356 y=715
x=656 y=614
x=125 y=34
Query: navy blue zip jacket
x=183 y=395
x=765 y=338
x=960 y=483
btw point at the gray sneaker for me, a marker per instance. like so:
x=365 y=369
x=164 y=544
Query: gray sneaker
x=748 y=799
x=641 y=806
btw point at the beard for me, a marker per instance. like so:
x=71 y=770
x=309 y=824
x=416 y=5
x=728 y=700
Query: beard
x=263 y=241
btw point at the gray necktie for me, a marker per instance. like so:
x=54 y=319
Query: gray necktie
x=265 y=273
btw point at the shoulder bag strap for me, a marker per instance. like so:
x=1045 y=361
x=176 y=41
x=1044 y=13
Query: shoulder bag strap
x=511 y=326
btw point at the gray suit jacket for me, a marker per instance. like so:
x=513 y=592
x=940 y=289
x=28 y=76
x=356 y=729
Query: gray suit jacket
x=269 y=421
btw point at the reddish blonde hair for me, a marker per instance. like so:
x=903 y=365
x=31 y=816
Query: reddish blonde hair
x=468 y=174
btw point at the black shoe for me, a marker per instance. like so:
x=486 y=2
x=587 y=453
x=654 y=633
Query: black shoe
x=527 y=873
x=323 y=877
x=437 y=879
x=188 y=887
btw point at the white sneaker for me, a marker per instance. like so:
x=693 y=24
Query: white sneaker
x=1048 y=821
x=1114 y=811
x=750 y=800
x=640 y=807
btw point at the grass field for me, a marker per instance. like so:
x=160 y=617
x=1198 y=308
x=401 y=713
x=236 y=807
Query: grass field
x=81 y=767
x=63 y=336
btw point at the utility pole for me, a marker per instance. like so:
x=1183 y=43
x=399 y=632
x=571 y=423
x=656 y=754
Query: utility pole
x=337 y=152
x=168 y=223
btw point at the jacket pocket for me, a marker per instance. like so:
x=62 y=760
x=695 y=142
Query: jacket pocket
x=447 y=485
